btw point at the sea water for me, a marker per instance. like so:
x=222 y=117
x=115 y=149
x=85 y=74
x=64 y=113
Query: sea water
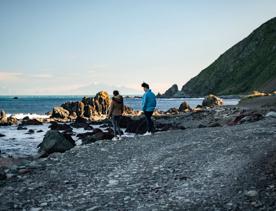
x=19 y=143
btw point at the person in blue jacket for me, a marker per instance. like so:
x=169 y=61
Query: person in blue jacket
x=148 y=106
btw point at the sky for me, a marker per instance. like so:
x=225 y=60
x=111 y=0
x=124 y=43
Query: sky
x=79 y=47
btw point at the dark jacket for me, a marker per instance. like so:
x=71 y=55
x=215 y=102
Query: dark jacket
x=117 y=106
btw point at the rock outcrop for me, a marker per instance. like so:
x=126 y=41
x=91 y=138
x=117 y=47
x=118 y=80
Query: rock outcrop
x=184 y=107
x=171 y=92
x=211 y=101
x=89 y=107
x=5 y=120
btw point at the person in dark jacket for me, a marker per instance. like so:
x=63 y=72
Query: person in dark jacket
x=148 y=106
x=115 y=112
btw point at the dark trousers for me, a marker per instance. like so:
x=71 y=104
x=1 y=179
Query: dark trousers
x=148 y=115
x=116 y=125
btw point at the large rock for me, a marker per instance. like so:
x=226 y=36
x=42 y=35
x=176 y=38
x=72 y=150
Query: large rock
x=60 y=112
x=55 y=141
x=137 y=125
x=57 y=126
x=184 y=107
x=5 y=120
x=212 y=100
x=96 y=135
x=90 y=107
x=102 y=102
x=28 y=121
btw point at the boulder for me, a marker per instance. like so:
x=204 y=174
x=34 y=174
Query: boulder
x=5 y=121
x=96 y=135
x=28 y=121
x=55 y=141
x=125 y=121
x=2 y=135
x=138 y=126
x=56 y=126
x=31 y=131
x=246 y=117
x=21 y=128
x=172 y=111
x=211 y=101
x=60 y=112
x=184 y=107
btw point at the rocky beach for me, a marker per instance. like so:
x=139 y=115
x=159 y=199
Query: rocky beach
x=212 y=157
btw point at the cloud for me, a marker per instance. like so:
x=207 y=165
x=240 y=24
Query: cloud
x=5 y=76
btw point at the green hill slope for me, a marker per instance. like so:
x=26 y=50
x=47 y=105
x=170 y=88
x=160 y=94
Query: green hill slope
x=248 y=65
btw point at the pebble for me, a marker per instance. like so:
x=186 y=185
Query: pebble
x=113 y=182
x=251 y=193
x=35 y=209
x=43 y=204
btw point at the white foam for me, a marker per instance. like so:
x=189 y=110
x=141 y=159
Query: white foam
x=31 y=116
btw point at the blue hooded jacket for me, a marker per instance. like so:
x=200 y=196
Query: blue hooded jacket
x=148 y=101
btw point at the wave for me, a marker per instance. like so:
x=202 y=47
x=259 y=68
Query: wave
x=30 y=115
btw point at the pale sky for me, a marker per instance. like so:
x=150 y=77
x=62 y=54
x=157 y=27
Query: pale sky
x=82 y=46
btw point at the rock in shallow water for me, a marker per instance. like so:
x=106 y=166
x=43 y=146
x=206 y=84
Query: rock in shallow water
x=55 y=141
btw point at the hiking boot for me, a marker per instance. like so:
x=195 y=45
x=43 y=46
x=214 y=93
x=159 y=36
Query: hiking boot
x=115 y=138
x=147 y=134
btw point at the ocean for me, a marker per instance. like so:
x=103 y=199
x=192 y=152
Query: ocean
x=40 y=105
x=18 y=143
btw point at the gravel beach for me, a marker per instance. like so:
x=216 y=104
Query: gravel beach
x=213 y=168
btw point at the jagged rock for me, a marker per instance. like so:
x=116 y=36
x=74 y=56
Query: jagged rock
x=171 y=92
x=5 y=121
x=102 y=102
x=212 y=100
x=55 y=141
x=74 y=107
x=60 y=112
x=2 y=135
x=88 y=108
x=184 y=107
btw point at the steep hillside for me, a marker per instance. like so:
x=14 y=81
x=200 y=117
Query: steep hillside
x=248 y=65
